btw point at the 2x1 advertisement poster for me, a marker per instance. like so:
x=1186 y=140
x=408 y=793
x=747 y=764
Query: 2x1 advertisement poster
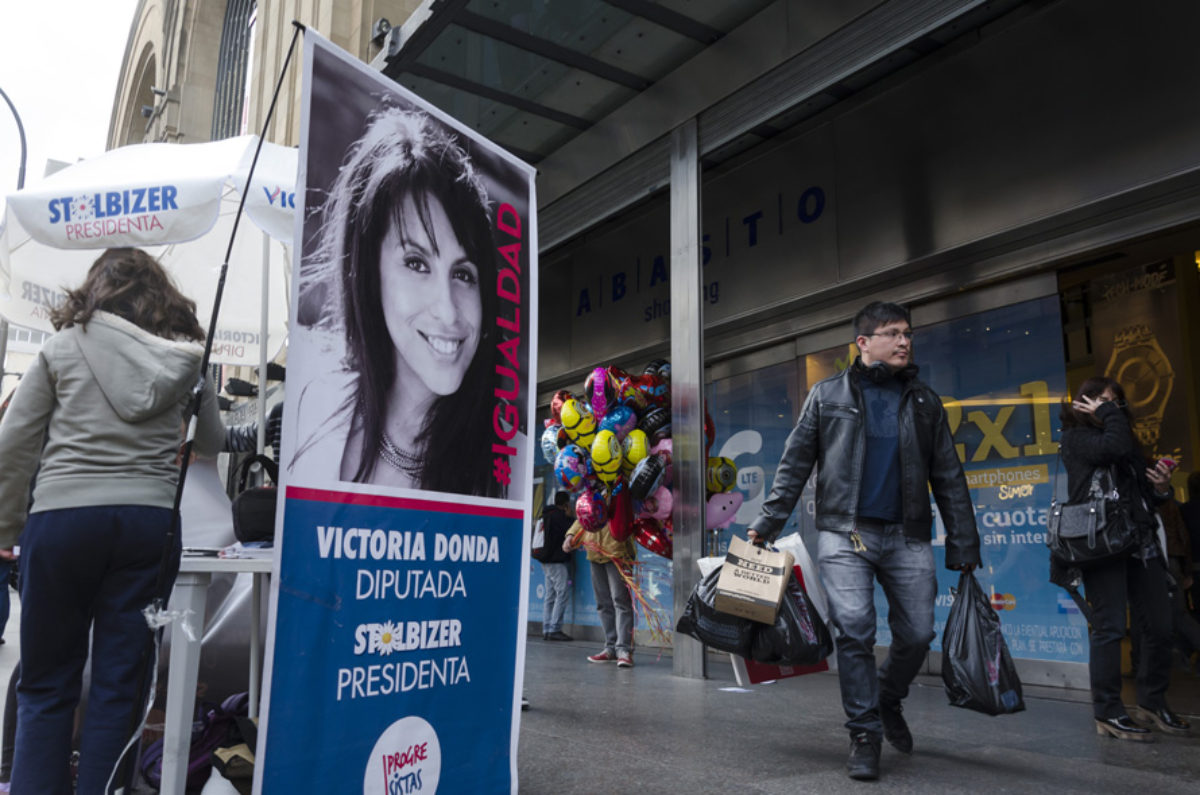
x=396 y=646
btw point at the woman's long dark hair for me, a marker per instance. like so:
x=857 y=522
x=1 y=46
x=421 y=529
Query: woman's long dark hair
x=1093 y=388
x=405 y=155
x=130 y=283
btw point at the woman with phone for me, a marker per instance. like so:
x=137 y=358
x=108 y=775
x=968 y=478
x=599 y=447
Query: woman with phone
x=1097 y=434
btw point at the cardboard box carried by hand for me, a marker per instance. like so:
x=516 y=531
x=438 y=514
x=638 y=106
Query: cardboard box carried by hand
x=752 y=581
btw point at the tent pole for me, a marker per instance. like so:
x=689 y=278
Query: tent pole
x=264 y=327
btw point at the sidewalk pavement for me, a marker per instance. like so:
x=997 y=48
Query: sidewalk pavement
x=598 y=728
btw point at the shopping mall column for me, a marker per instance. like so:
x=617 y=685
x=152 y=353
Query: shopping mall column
x=687 y=385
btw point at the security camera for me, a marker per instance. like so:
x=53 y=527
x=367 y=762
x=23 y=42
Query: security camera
x=379 y=31
x=158 y=92
x=147 y=111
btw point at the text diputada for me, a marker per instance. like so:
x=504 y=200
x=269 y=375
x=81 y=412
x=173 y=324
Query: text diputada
x=507 y=412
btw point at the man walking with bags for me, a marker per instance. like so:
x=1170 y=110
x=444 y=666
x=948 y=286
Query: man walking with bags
x=883 y=442
x=555 y=522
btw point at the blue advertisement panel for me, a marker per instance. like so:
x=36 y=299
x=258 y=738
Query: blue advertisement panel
x=402 y=604
x=1001 y=377
x=396 y=639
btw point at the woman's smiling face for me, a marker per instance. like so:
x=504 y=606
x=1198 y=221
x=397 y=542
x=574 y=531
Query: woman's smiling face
x=431 y=302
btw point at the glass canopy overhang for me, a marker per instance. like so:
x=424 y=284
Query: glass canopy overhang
x=533 y=74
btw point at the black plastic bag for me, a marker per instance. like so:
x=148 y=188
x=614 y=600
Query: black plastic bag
x=976 y=666
x=723 y=631
x=798 y=636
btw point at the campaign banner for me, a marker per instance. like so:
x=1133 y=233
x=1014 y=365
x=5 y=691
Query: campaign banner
x=397 y=630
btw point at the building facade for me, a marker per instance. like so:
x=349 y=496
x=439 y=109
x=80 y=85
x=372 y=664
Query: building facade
x=727 y=183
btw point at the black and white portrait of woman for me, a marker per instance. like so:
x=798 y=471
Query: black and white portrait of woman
x=399 y=289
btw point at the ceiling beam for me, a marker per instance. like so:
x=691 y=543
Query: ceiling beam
x=487 y=92
x=549 y=50
x=672 y=20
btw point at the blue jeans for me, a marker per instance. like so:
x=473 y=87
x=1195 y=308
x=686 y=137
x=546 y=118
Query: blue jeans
x=615 y=606
x=904 y=567
x=83 y=568
x=556 y=597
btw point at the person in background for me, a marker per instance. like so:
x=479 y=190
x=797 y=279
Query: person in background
x=556 y=520
x=614 y=602
x=1186 y=634
x=99 y=416
x=883 y=444
x=1190 y=512
x=1097 y=433
x=244 y=438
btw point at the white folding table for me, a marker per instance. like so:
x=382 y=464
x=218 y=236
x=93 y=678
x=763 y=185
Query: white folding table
x=189 y=596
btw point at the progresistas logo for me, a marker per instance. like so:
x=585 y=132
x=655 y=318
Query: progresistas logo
x=406 y=759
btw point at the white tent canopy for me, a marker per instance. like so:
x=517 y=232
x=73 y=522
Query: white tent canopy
x=177 y=201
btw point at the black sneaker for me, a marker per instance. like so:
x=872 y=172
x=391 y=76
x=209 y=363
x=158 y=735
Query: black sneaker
x=560 y=635
x=863 y=764
x=895 y=728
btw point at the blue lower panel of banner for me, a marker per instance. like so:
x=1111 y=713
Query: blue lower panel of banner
x=395 y=649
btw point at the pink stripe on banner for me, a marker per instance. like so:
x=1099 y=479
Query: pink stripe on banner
x=320 y=495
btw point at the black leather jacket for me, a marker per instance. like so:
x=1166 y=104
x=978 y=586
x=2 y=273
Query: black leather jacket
x=830 y=435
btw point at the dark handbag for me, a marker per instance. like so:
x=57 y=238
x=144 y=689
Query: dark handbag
x=254 y=508
x=1092 y=531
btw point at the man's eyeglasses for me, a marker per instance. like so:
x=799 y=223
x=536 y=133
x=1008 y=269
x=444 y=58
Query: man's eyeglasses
x=893 y=334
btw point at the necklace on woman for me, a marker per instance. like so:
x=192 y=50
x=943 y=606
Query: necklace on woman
x=401 y=460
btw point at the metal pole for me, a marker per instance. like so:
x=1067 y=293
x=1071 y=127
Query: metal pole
x=20 y=185
x=687 y=386
x=20 y=132
x=263 y=327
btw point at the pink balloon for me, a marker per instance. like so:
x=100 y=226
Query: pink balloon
x=722 y=508
x=594 y=386
x=590 y=510
x=658 y=505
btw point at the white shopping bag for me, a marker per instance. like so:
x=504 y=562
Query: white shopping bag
x=812 y=583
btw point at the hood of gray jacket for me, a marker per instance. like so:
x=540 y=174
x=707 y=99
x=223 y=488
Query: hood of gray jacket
x=140 y=374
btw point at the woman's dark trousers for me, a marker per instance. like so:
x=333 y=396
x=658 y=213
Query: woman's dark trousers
x=1142 y=586
x=83 y=568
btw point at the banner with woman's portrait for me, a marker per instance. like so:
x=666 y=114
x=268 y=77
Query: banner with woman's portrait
x=398 y=613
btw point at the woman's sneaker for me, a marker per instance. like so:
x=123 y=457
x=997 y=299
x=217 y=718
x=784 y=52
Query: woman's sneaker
x=625 y=661
x=602 y=657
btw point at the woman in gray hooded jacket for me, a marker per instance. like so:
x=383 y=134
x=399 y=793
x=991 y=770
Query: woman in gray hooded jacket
x=99 y=416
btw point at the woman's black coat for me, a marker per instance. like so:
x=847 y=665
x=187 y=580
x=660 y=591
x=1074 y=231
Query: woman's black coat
x=1085 y=447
